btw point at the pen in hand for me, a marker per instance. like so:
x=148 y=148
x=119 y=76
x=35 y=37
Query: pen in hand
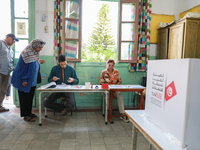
x=70 y=80
x=55 y=79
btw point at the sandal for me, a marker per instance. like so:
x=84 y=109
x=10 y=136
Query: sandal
x=124 y=119
x=33 y=115
x=29 y=118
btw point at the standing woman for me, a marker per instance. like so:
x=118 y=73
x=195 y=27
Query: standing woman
x=24 y=77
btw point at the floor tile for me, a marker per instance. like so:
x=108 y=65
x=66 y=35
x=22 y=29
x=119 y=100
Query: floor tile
x=84 y=130
x=82 y=142
x=97 y=141
x=52 y=144
x=65 y=143
x=111 y=140
x=37 y=144
x=2 y=137
x=25 y=137
x=5 y=130
x=82 y=135
x=21 y=145
x=68 y=148
x=114 y=147
x=83 y=148
x=124 y=140
x=108 y=134
x=69 y=135
x=94 y=135
x=126 y=146
x=7 y=144
x=98 y=147
x=12 y=137
x=55 y=136
x=41 y=136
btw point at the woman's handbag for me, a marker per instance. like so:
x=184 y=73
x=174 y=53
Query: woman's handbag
x=39 y=79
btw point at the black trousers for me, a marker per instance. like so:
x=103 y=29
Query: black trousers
x=26 y=101
x=68 y=103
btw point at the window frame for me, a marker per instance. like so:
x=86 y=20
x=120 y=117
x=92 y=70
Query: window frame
x=119 y=31
x=79 y=33
x=31 y=24
x=135 y=34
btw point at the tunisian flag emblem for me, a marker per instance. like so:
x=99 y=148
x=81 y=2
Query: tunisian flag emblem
x=170 y=91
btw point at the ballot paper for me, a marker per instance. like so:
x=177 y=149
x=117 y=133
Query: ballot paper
x=63 y=86
x=49 y=85
x=116 y=86
x=53 y=85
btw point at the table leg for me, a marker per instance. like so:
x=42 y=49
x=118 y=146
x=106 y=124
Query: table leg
x=104 y=98
x=150 y=146
x=45 y=112
x=138 y=100
x=40 y=119
x=106 y=111
x=141 y=101
x=134 y=138
x=110 y=104
x=45 y=109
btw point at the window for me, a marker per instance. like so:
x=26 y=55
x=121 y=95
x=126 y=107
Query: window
x=5 y=16
x=128 y=31
x=126 y=25
x=23 y=19
x=72 y=30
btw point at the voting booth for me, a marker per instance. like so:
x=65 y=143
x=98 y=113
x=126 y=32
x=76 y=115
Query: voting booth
x=173 y=100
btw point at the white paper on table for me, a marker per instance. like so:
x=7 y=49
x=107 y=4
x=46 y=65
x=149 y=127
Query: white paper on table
x=134 y=86
x=116 y=86
x=49 y=85
x=63 y=86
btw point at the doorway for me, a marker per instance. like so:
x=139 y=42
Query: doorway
x=5 y=28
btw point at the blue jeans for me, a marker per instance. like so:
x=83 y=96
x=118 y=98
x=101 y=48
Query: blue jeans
x=8 y=88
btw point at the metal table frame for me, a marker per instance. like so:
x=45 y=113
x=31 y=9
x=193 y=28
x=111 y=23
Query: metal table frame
x=72 y=89
x=154 y=134
x=126 y=88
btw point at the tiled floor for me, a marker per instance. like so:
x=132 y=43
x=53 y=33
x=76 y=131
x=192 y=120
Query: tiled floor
x=82 y=131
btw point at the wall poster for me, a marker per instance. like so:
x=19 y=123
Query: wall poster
x=21 y=28
x=158 y=89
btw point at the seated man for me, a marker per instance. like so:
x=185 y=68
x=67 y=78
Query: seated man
x=112 y=76
x=62 y=73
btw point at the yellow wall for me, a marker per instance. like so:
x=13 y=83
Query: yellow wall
x=195 y=9
x=155 y=20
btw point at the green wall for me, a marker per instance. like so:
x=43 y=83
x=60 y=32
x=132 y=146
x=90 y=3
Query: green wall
x=89 y=72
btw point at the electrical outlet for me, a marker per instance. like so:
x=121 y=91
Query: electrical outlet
x=45 y=29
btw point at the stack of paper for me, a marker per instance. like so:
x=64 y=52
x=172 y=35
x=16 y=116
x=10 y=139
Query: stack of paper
x=49 y=85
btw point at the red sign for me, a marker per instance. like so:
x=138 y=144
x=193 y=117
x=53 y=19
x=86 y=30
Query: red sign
x=170 y=91
x=104 y=86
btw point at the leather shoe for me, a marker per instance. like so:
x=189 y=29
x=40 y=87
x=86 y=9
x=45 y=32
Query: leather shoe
x=3 y=109
x=64 y=112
